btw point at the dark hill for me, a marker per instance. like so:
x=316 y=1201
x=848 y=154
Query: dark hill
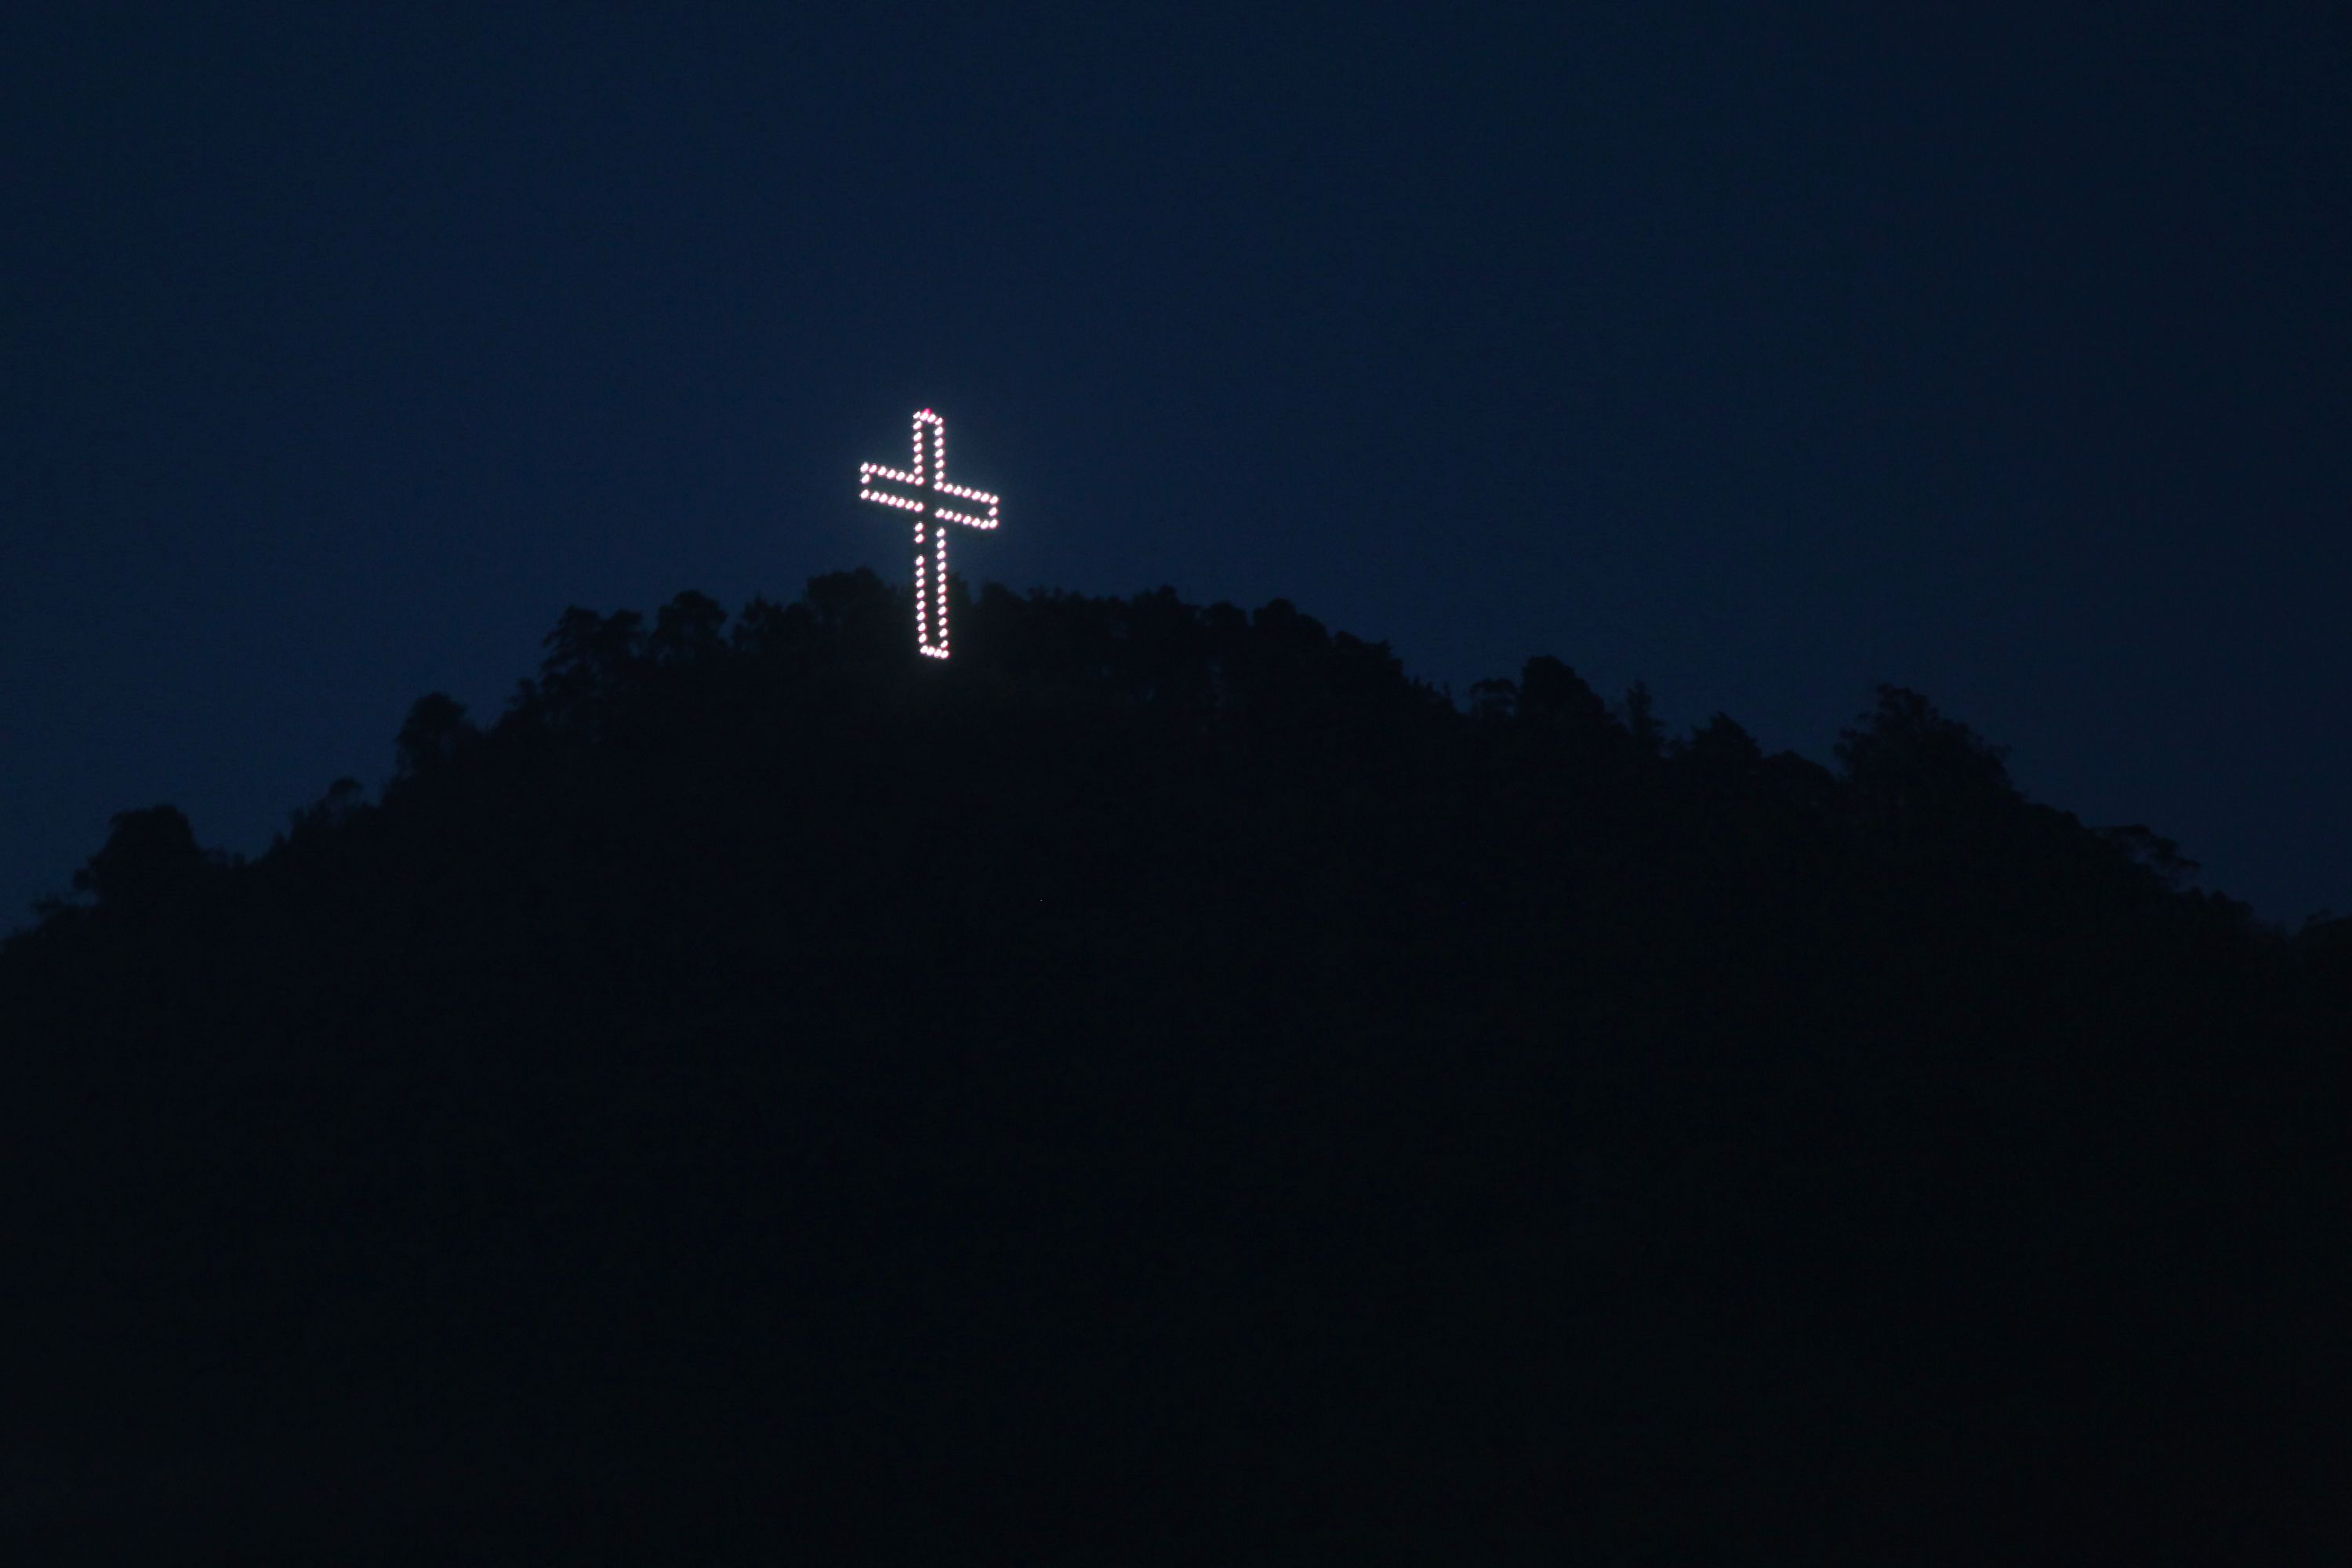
x=1164 y=1086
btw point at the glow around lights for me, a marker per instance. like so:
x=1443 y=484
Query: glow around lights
x=927 y=481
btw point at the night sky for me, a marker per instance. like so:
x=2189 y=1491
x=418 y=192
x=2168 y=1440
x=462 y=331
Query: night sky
x=1758 y=352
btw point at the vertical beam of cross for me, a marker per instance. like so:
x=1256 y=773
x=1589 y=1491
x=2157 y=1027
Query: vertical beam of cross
x=924 y=490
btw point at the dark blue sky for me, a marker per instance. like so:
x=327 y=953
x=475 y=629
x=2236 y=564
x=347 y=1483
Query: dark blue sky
x=1761 y=352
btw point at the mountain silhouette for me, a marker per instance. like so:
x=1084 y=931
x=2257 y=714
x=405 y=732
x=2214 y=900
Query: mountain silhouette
x=1163 y=1085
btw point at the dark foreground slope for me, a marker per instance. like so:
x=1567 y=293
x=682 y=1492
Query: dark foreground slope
x=1163 y=1087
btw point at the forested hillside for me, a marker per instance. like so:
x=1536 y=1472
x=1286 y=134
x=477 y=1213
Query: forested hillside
x=1164 y=1085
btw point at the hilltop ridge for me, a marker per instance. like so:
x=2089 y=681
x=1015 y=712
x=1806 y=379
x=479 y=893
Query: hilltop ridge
x=1167 y=1075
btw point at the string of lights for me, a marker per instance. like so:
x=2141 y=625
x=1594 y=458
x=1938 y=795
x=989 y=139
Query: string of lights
x=927 y=476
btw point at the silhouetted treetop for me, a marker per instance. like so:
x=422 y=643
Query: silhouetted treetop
x=430 y=736
x=1905 y=756
x=1721 y=743
x=688 y=630
x=149 y=854
x=1551 y=691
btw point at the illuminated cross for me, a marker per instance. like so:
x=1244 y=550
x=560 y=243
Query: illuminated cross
x=926 y=492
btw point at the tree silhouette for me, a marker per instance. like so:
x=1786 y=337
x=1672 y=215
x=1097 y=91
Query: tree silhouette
x=1721 y=744
x=432 y=734
x=689 y=629
x=148 y=854
x=1906 y=757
